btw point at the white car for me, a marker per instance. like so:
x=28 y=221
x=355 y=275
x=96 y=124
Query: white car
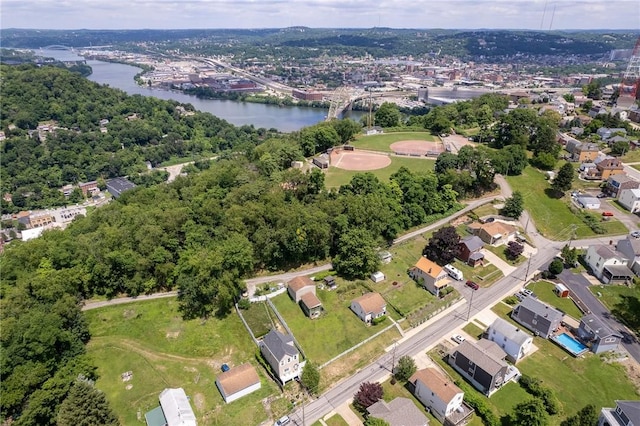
x=526 y=292
x=457 y=338
x=635 y=234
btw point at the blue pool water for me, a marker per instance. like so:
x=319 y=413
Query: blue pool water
x=570 y=344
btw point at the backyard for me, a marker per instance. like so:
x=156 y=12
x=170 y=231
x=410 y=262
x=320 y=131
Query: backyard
x=335 y=177
x=552 y=216
x=150 y=340
x=382 y=142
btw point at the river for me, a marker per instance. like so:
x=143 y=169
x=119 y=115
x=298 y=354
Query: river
x=120 y=76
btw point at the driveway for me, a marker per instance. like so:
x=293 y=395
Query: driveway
x=499 y=263
x=579 y=285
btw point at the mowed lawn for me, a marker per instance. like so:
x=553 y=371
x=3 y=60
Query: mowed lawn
x=622 y=301
x=335 y=177
x=575 y=381
x=383 y=141
x=161 y=350
x=337 y=330
x=552 y=216
x=544 y=292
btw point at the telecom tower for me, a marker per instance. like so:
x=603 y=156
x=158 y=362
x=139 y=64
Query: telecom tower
x=630 y=80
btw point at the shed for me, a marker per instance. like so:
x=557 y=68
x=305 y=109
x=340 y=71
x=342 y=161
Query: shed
x=330 y=282
x=377 y=276
x=385 y=256
x=561 y=291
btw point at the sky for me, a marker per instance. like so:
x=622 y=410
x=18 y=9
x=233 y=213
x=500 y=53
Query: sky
x=458 y=14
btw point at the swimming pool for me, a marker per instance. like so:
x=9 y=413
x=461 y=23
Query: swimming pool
x=570 y=344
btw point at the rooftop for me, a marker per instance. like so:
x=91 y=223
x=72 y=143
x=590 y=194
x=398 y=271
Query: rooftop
x=399 y=412
x=371 y=302
x=279 y=344
x=540 y=308
x=310 y=300
x=510 y=331
x=238 y=378
x=176 y=408
x=484 y=358
x=298 y=283
x=428 y=267
x=473 y=243
x=444 y=388
x=597 y=325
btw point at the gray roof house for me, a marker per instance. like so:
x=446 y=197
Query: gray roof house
x=513 y=340
x=626 y=413
x=117 y=186
x=597 y=335
x=537 y=316
x=630 y=249
x=399 y=412
x=469 y=250
x=282 y=355
x=482 y=364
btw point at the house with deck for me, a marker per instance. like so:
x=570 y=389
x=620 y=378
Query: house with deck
x=597 y=335
x=440 y=396
x=608 y=264
x=625 y=413
x=541 y=319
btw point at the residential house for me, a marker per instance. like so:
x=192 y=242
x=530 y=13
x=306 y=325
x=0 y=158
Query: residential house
x=630 y=200
x=588 y=202
x=585 y=152
x=174 y=410
x=513 y=340
x=626 y=413
x=607 y=264
x=430 y=275
x=596 y=111
x=311 y=305
x=282 y=355
x=117 y=186
x=606 y=133
x=469 y=250
x=238 y=382
x=608 y=166
x=597 y=335
x=398 y=412
x=615 y=139
x=537 y=316
x=369 y=306
x=299 y=286
x=494 y=233
x=440 y=396
x=629 y=248
x=620 y=182
x=482 y=364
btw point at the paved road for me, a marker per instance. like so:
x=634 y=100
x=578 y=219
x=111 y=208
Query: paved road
x=579 y=285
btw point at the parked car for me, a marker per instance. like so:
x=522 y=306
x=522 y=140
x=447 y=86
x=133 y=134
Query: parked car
x=225 y=368
x=607 y=214
x=602 y=195
x=635 y=234
x=457 y=338
x=527 y=292
x=472 y=285
x=284 y=420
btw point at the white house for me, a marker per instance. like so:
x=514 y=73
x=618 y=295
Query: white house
x=369 y=306
x=176 y=409
x=626 y=413
x=440 y=396
x=607 y=264
x=238 y=382
x=587 y=202
x=282 y=355
x=513 y=340
x=630 y=199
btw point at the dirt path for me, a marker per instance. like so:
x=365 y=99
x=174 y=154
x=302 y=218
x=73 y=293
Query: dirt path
x=147 y=353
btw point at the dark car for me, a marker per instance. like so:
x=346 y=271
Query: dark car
x=472 y=285
x=225 y=368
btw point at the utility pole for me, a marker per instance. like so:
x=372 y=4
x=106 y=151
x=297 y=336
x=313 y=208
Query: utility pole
x=393 y=357
x=470 y=304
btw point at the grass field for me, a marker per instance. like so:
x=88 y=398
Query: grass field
x=622 y=301
x=335 y=420
x=335 y=331
x=336 y=177
x=382 y=142
x=632 y=157
x=473 y=330
x=258 y=317
x=161 y=350
x=552 y=216
x=544 y=291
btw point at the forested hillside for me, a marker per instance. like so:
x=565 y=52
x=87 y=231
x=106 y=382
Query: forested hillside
x=139 y=129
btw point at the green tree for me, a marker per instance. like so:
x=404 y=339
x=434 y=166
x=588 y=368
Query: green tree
x=563 y=180
x=587 y=416
x=356 y=255
x=310 y=377
x=514 y=205
x=620 y=148
x=388 y=115
x=346 y=129
x=545 y=161
x=556 y=267
x=530 y=413
x=405 y=368
x=570 y=255
x=85 y=406
x=443 y=245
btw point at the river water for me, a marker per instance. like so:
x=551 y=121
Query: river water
x=120 y=76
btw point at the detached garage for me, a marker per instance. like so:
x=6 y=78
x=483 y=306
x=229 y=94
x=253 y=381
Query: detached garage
x=586 y=202
x=238 y=382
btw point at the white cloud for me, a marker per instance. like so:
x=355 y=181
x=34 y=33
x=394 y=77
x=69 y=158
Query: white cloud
x=567 y=14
